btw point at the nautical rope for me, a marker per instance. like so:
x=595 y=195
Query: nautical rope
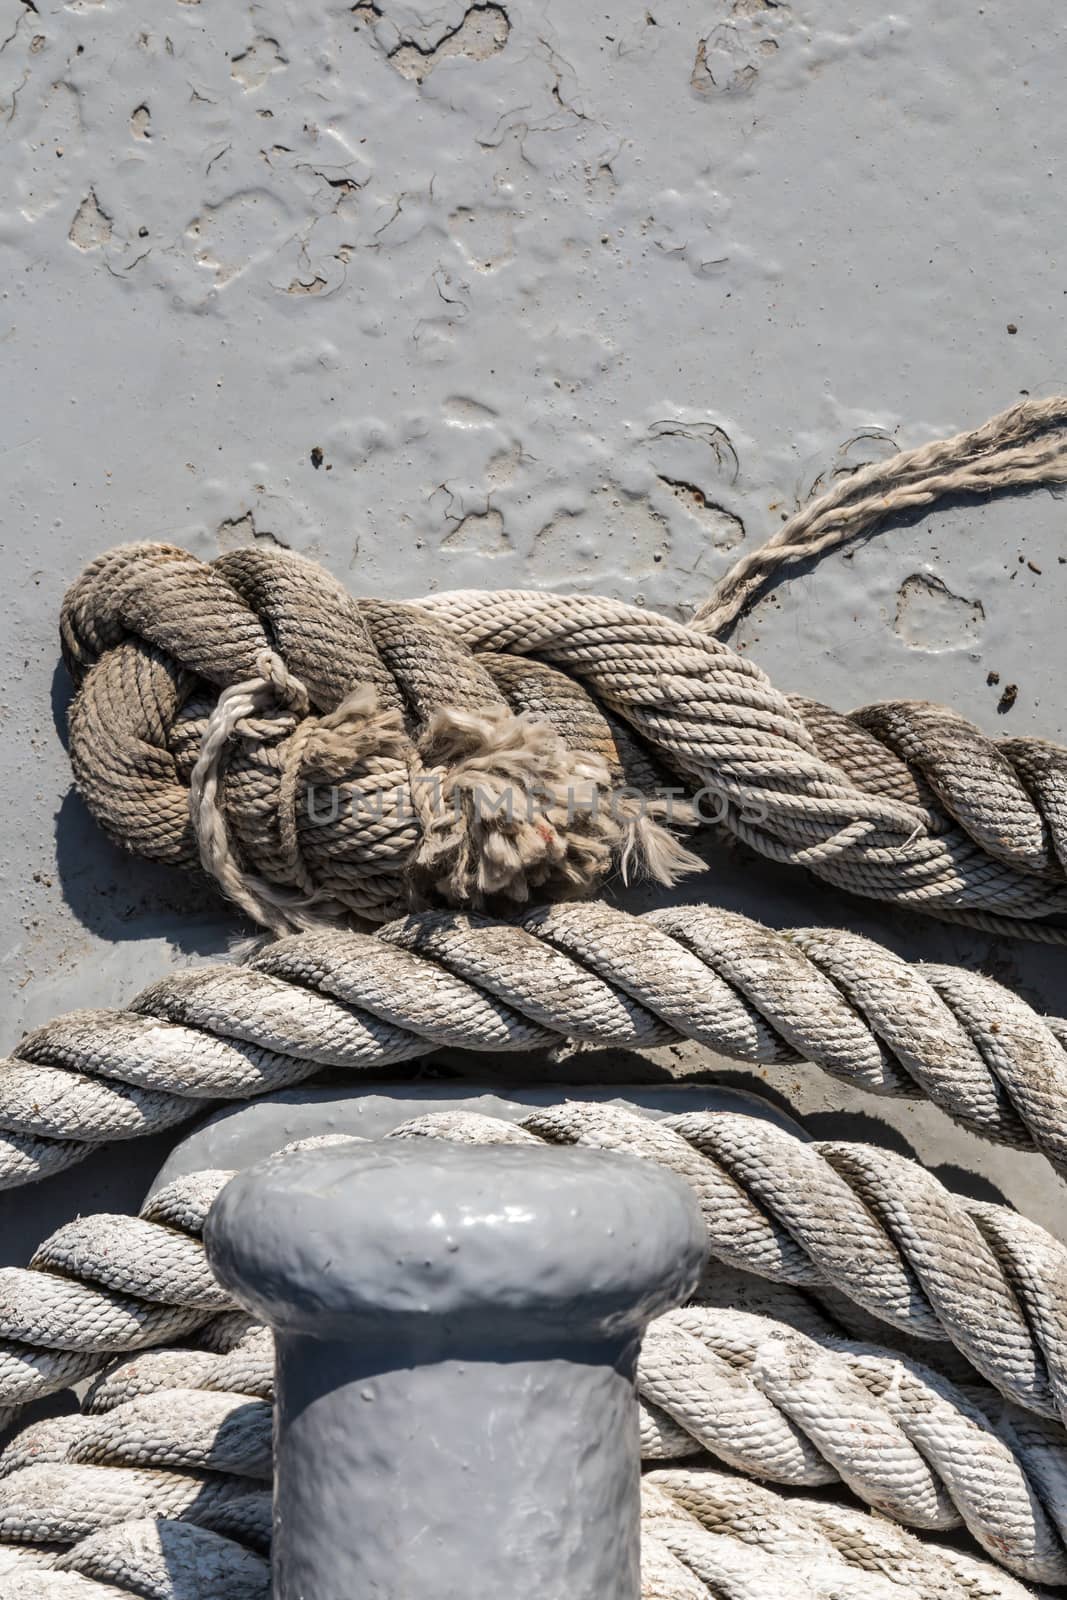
x=325 y=758
x=56 y=1503
x=760 y=1395
x=157 y=1490
x=169 y=1560
x=1021 y=447
x=702 y=1535
x=41 y=1502
x=433 y=775
x=584 y=972
x=871 y=1224
x=218 y=1432
x=748 y=1543
x=865 y=1222
x=105 y=1284
x=152 y=1554
x=783 y=1407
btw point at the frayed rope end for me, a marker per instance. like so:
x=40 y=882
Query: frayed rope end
x=508 y=809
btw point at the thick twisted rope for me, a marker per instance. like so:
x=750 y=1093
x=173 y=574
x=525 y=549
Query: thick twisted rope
x=43 y=1498
x=860 y=1221
x=1020 y=448
x=153 y=1557
x=799 y=1406
x=783 y=1407
x=766 y=1398
x=325 y=758
x=584 y=972
x=702 y=1535
x=762 y=1396
x=354 y=756
x=748 y=1543
x=868 y=1222
x=103 y=1285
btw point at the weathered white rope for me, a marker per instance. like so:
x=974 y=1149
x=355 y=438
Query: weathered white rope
x=188 y=1430
x=35 y=1584
x=57 y=1503
x=104 y=1285
x=865 y=1222
x=232 y=1433
x=583 y=972
x=702 y=1534
x=786 y=1408
x=761 y=1396
x=152 y=1558
x=245 y=1368
x=1019 y=448
x=803 y=1409
x=791 y=1404
x=168 y=1560
x=753 y=1544
x=870 y=1223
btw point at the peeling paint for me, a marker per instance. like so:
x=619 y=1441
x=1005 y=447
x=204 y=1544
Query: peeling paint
x=931 y=616
x=534 y=294
x=481 y=33
x=91 y=227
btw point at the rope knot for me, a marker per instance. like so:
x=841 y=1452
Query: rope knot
x=275 y=675
x=274 y=709
x=502 y=805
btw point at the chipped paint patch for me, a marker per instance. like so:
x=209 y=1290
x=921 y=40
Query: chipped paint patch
x=931 y=617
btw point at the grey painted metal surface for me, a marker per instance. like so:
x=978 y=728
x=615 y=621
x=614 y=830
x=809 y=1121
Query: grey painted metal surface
x=578 y=297
x=242 y=1135
x=457 y=1331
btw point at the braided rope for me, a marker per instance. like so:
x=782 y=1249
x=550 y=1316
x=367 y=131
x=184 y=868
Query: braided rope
x=484 y=747
x=584 y=972
x=170 y=1560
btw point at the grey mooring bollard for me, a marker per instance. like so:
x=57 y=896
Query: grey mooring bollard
x=457 y=1328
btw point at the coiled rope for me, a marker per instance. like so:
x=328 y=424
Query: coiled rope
x=743 y=1542
x=154 y=1558
x=327 y=759
x=822 y=1213
x=434 y=720
x=584 y=972
x=186 y=1432
x=703 y=1535
x=864 y=1222
x=778 y=1394
x=757 y=1394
